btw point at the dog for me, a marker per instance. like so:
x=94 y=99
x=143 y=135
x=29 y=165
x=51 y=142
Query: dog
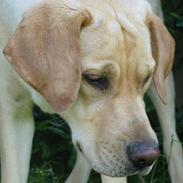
x=91 y=62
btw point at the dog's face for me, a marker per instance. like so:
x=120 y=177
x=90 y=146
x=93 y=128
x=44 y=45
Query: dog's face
x=109 y=113
x=105 y=78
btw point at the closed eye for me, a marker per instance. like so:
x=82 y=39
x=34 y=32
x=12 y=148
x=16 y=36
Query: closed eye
x=98 y=81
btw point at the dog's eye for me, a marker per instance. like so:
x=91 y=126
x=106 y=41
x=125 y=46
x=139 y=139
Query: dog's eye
x=98 y=81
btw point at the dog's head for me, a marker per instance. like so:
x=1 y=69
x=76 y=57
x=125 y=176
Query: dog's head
x=93 y=63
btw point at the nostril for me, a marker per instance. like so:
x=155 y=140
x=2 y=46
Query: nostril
x=143 y=154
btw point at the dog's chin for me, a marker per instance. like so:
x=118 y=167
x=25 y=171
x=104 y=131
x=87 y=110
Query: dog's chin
x=124 y=169
x=119 y=172
x=123 y=172
x=109 y=172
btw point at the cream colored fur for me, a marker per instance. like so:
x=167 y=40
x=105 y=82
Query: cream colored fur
x=109 y=41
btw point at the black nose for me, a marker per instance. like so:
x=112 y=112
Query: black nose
x=142 y=154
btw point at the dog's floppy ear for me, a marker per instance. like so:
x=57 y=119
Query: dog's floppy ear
x=163 y=47
x=45 y=52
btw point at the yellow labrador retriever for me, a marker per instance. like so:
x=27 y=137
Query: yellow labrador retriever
x=91 y=62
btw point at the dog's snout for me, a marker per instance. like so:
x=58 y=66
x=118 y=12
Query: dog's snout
x=143 y=154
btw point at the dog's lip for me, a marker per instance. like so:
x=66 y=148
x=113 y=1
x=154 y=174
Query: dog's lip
x=146 y=170
x=143 y=171
x=78 y=145
x=132 y=171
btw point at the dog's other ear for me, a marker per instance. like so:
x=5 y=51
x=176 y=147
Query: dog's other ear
x=45 y=52
x=163 y=47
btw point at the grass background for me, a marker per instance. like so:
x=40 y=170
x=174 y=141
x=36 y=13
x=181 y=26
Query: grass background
x=53 y=154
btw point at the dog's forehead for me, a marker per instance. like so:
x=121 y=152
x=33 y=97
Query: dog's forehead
x=118 y=27
x=118 y=9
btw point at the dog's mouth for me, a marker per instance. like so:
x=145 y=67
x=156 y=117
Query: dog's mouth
x=146 y=171
x=125 y=172
x=79 y=147
x=122 y=169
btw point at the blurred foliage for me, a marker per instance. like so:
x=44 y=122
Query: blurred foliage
x=53 y=155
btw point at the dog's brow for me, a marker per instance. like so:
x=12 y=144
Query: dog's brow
x=98 y=66
x=127 y=25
